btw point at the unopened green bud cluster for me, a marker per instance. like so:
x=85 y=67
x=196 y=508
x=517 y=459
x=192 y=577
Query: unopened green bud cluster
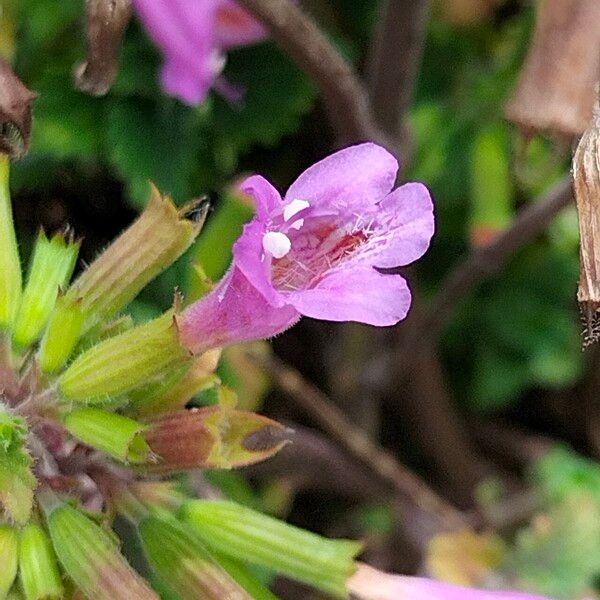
x=94 y=408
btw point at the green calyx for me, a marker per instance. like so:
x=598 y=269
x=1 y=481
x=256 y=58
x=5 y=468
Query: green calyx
x=90 y=555
x=38 y=569
x=10 y=264
x=244 y=534
x=183 y=564
x=9 y=558
x=124 y=362
x=118 y=436
x=50 y=270
x=152 y=243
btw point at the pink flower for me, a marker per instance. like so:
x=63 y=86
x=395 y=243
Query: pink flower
x=193 y=36
x=316 y=252
x=370 y=584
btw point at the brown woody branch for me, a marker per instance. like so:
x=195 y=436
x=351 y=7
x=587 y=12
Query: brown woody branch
x=394 y=64
x=316 y=404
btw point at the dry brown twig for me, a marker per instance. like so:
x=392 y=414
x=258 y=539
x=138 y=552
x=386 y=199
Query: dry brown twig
x=316 y=404
x=394 y=64
x=106 y=24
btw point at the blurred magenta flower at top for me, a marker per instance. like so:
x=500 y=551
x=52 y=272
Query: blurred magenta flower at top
x=193 y=36
x=316 y=252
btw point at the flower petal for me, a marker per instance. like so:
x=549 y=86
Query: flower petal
x=164 y=26
x=406 y=218
x=359 y=293
x=235 y=26
x=370 y=584
x=266 y=198
x=233 y=312
x=351 y=178
x=248 y=258
x=189 y=85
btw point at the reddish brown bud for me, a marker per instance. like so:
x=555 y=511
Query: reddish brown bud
x=213 y=437
x=106 y=24
x=556 y=89
x=15 y=113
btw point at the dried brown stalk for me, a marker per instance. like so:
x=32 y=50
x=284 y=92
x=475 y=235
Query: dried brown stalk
x=15 y=112
x=586 y=177
x=556 y=89
x=406 y=483
x=395 y=60
x=106 y=24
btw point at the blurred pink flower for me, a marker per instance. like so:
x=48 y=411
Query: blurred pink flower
x=370 y=584
x=314 y=252
x=193 y=36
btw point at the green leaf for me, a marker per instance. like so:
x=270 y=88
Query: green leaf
x=152 y=140
x=276 y=95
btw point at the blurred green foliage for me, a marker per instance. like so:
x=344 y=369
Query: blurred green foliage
x=137 y=132
x=558 y=553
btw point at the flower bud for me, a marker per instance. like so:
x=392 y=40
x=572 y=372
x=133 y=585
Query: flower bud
x=8 y=558
x=118 y=436
x=586 y=176
x=38 y=570
x=61 y=335
x=124 y=361
x=183 y=564
x=51 y=268
x=171 y=394
x=245 y=534
x=158 y=237
x=214 y=437
x=90 y=556
x=10 y=264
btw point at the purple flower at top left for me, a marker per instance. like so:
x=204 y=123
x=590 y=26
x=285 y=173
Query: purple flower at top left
x=194 y=36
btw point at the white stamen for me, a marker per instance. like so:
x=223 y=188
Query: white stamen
x=293 y=208
x=217 y=61
x=297 y=224
x=277 y=244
